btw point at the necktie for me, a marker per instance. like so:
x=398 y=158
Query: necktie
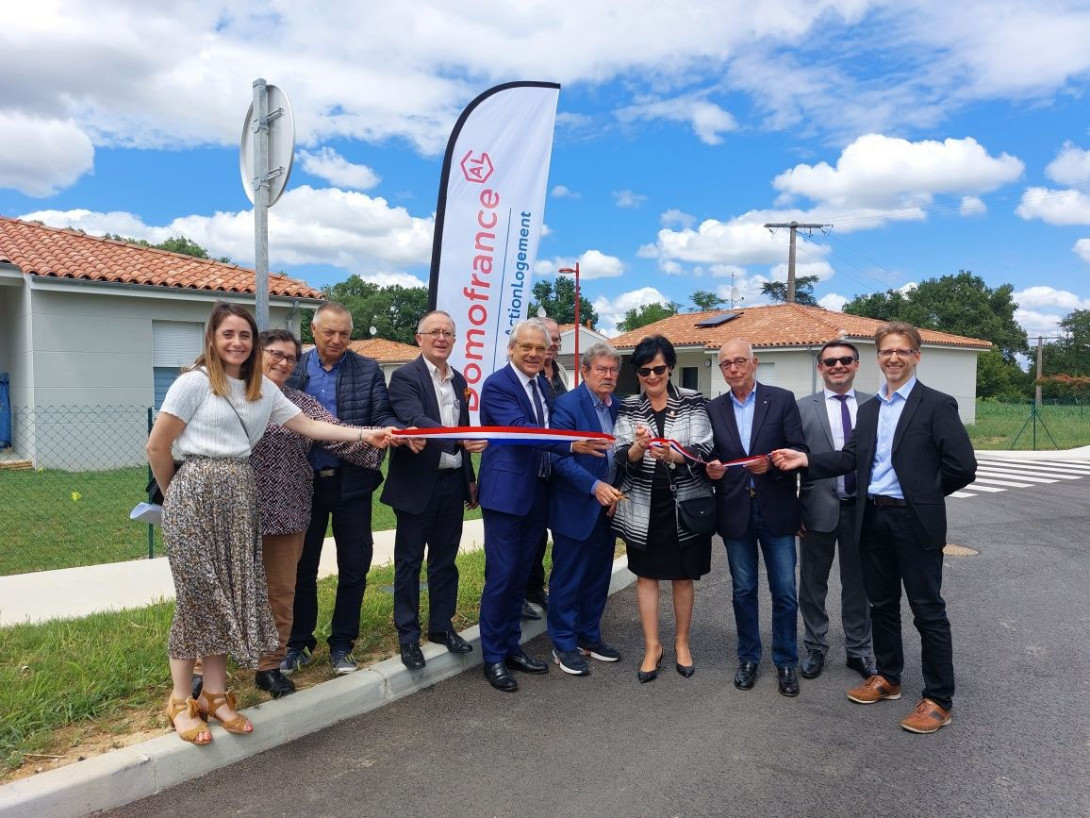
x=846 y=423
x=539 y=410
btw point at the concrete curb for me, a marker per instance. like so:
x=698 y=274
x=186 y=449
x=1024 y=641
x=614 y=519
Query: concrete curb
x=1081 y=453
x=131 y=773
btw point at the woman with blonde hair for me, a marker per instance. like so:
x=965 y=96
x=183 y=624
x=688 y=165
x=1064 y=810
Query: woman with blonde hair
x=213 y=415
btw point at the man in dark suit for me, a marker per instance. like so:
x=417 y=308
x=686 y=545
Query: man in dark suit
x=512 y=494
x=429 y=489
x=581 y=502
x=910 y=450
x=757 y=504
x=828 y=519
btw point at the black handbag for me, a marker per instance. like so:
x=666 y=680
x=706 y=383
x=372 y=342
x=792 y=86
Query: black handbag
x=697 y=514
x=155 y=494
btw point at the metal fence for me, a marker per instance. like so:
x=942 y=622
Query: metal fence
x=1062 y=423
x=67 y=484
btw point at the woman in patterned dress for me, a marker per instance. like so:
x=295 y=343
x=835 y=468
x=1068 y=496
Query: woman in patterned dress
x=659 y=547
x=284 y=487
x=215 y=413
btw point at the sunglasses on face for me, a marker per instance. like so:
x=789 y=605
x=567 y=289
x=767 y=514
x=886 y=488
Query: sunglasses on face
x=645 y=371
x=843 y=360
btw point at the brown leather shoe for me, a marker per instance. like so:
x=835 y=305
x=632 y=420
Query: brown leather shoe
x=926 y=718
x=874 y=689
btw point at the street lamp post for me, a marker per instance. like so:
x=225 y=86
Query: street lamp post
x=575 y=270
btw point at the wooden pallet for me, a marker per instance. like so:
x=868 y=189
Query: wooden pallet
x=16 y=465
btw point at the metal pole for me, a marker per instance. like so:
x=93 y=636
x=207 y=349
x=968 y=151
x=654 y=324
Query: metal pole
x=151 y=528
x=261 y=203
x=1040 y=368
x=576 y=366
x=791 y=265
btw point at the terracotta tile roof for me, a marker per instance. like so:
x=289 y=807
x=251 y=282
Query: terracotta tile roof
x=585 y=325
x=776 y=325
x=51 y=252
x=382 y=350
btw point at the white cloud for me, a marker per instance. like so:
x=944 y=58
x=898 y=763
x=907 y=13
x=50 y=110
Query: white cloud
x=743 y=240
x=626 y=198
x=708 y=121
x=390 y=279
x=1038 y=323
x=344 y=229
x=676 y=218
x=1059 y=207
x=885 y=172
x=611 y=311
x=833 y=301
x=821 y=269
x=1070 y=167
x=545 y=231
x=1082 y=248
x=562 y=192
x=327 y=164
x=726 y=270
x=972 y=206
x=592 y=264
x=41 y=156
x=1049 y=297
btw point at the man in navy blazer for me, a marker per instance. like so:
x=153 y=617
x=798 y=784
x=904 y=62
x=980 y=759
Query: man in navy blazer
x=428 y=486
x=581 y=502
x=512 y=494
x=757 y=504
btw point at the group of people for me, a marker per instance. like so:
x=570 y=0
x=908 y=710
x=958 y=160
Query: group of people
x=247 y=512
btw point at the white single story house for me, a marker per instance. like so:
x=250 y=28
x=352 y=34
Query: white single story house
x=786 y=339
x=389 y=354
x=587 y=338
x=92 y=332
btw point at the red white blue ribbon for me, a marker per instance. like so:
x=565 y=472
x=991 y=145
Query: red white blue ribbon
x=662 y=442
x=503 y=434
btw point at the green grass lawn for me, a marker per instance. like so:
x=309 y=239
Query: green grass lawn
x=69 y=683
x=1058 y=427
x=60 y=519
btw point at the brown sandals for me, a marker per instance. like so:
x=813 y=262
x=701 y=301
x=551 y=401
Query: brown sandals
x=176 y=706
x=208 y=703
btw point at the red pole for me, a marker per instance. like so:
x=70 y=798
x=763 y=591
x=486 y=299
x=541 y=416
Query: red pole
x=576 y=271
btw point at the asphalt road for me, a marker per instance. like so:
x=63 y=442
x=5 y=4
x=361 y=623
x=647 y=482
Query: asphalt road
x=605 y=745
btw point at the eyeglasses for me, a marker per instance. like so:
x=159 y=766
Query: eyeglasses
x=279 y=356
x=843 y=360
x=900 y=353
x=436 y=334
x=606 y=370
x=540 y=349
x=644 y=371
x=735 y=362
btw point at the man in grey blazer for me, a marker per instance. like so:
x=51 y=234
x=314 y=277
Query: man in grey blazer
x=828 y=517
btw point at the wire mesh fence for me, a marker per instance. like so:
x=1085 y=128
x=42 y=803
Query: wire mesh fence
x=1059 y=423
x=67 y=484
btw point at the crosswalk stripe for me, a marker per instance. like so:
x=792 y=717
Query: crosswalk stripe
x=992 y=481
x=989 y=489
x=1018 y=475
x=1050 y=468
x=1063 y=474
x=962 y=494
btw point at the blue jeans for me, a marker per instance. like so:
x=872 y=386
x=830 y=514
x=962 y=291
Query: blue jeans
x=779 y=554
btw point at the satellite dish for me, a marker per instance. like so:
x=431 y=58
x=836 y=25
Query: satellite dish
x=281 y=145
x=734 y=294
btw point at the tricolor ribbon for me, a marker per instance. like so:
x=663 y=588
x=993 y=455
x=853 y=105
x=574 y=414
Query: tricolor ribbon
x=662 y=442
x=503 y=434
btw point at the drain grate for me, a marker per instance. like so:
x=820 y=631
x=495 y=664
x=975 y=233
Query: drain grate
x=951 y=550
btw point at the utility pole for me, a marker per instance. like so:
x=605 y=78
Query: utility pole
x=1040 y=369
x=791 y=254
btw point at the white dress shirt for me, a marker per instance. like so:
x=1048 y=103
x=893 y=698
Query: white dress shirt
x=836 y=424
x=448 y=409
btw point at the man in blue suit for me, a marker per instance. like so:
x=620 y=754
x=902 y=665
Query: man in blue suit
x=512 y=495
x=581 y=502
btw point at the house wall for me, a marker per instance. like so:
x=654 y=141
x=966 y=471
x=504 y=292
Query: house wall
x=16 y=322
x=91 y=380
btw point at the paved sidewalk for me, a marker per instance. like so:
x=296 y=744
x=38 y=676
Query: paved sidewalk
x=74 y=592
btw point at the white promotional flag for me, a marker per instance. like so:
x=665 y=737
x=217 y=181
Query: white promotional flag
x=488 y=222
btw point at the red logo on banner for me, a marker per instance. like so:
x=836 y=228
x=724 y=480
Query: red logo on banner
x=476 y=168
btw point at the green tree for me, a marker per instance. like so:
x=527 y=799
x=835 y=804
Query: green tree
x=175 y=244
x=804 y=290
x=647 y=314
x=557 y=296
x=393 y=311
x=997 y=377
x=1070 y=353
x=703 y=300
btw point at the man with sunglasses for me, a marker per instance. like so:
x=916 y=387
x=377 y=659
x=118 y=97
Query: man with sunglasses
x=828 y=517
x=757 y=505
x=909 y=451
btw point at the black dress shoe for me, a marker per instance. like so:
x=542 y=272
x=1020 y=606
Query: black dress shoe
x=541 y=599
x=685 y=670
x=521 y=661
x=411 y=655
x=275 y=683
x=454 y=643
x=863 y=665
x=813 y=664
x=528 y=611
x=500 y=677
x=746 y=676
x=789 y=683
x=646 y=676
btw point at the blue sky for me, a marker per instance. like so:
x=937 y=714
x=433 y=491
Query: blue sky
x=933 y=136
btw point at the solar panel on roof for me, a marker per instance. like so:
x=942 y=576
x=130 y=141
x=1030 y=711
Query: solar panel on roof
x=717 y=320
